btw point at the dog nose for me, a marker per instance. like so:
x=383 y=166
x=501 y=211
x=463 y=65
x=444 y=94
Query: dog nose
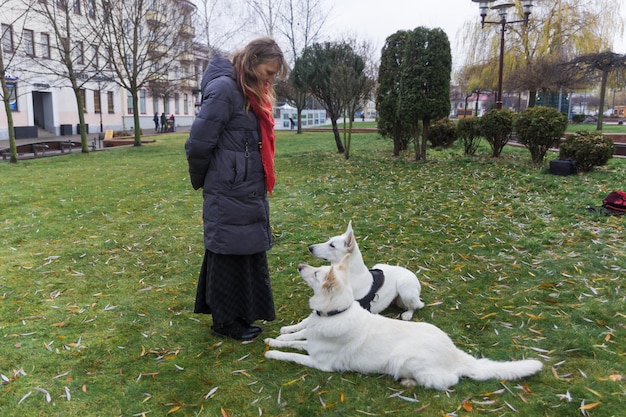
x=300 y=266
x=311 y=248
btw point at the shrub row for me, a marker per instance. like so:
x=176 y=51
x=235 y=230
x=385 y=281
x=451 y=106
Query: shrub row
x=537 y=128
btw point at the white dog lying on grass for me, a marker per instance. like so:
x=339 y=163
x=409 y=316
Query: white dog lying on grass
x=375 y=289
x=342 y=336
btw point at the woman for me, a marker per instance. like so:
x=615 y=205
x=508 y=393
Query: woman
x=230 y=152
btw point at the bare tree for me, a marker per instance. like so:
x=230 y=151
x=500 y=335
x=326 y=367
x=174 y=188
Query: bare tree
x=562 y=28
x=147 y=43
x=604 y=64
x=221 y=23
x=7 y=90
x=71 y=63
x=268 y=12
x=300 y=24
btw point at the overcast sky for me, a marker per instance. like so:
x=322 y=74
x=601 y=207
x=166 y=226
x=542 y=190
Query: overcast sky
x=376 y=19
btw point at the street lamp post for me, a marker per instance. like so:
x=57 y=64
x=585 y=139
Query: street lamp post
x=502 y=9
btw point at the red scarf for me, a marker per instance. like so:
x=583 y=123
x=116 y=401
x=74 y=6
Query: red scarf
x=263 y=113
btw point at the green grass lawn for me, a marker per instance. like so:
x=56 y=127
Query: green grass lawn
x=100 y=254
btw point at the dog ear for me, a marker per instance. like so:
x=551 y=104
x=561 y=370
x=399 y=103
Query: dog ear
x=349 y=242
x=331 y=280
x=345 y=262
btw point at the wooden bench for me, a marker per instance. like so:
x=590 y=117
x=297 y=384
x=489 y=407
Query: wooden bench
x=39 y=147
x=66 y=145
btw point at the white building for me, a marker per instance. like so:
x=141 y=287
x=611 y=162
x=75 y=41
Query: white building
x=42 y=99
x=285 y=114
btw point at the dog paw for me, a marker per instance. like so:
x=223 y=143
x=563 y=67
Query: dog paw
x=407 y=315
x=408 y=382
x=270 y=354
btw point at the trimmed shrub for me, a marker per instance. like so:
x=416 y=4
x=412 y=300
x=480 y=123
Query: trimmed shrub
x=496 y=126
x=469 y=131
x=539 y=129
x=588 y=148
x=578 y=118
x=442 y=133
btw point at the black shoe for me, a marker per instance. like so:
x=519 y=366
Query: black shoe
x=251 y=327
x=236 y=330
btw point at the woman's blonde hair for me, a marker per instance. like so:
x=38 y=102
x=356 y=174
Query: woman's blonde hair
x=245 y=61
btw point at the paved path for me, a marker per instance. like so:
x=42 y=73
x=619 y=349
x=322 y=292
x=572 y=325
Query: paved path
x=93 y=141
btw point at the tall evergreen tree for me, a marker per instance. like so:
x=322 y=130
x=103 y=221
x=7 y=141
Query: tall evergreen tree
x=389 y=121
x=425 y=82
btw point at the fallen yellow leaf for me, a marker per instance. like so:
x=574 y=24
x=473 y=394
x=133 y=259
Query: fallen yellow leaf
x=590 y=406
x=467 y=406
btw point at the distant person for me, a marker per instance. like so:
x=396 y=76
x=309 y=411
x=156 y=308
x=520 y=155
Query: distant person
x=156 y=122
x=173 y=120
x=292 y=123
x=230 y=154
x=163 y=122
x=362 y=117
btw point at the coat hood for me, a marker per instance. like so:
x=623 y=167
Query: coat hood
x=218 y=67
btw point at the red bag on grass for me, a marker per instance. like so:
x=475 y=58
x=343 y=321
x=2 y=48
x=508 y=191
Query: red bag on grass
x=615 y=201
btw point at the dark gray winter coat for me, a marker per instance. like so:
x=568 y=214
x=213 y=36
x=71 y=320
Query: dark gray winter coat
x=225 y=161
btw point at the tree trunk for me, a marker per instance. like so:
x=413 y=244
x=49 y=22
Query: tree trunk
x=340 y=147
x=137 y=127
x=9 y=113
x=605 y=76
x=425 y=128
x=532 y=98
x=81 y=117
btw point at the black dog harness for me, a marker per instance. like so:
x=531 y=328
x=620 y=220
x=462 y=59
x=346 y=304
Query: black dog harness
x=365 y=302
x=379 y=280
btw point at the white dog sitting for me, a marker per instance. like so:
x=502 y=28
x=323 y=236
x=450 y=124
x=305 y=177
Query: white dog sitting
x=375 y=289
x=342 y=336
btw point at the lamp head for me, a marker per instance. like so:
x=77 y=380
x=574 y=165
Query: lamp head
x=483 y=7
x=527 y=5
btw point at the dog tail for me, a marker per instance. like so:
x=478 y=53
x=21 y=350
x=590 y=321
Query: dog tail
x=482 y=369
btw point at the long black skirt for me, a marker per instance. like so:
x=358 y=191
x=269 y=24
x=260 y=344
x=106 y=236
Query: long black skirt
x=234 y=287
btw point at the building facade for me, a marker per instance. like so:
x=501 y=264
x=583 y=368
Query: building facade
x=39 y=53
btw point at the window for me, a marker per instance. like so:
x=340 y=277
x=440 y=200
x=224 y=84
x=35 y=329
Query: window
x=77 y=7
x=96 y=56
x=91 y=9
x=12 y=87
x=166 y=104
x=65 y=48
x=83 y=96
x=142 y=101
x=176 y=103
x=29 y=42
x=129 y=62
x=97 y=105
x=129 y=103
x=106 y=11
x=111 y=108
x=155 y=104
x=80 y=53
x=45 y=45
x=7 y=37
x=186 y=104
